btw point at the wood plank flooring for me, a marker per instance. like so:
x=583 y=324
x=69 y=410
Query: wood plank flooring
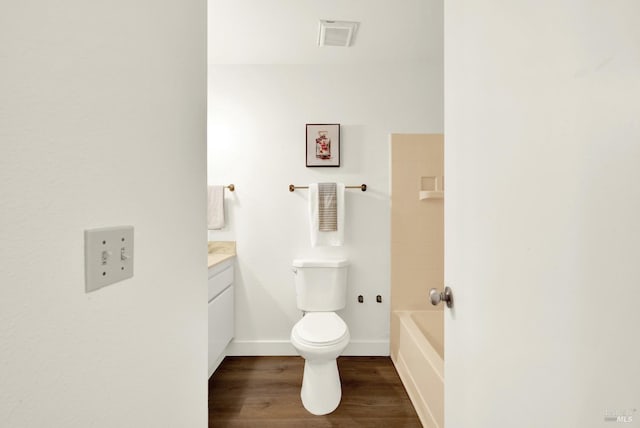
x=264 y=392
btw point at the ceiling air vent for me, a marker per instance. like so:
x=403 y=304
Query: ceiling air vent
x=336 y=33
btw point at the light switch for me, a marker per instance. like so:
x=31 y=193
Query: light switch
x=108 y=256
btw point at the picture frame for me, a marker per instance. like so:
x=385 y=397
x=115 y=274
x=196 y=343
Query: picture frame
x=323 y=145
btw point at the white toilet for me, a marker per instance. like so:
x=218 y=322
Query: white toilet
x=321 y=335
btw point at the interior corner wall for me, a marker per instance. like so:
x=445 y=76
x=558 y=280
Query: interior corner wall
x=102 y=123
x=256 y=123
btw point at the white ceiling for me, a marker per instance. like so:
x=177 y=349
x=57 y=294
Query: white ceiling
x=286 y=31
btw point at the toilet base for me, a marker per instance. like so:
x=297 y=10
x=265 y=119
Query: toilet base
x=321 y=390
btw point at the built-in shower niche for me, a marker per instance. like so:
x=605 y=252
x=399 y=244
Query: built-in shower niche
x=431 y=187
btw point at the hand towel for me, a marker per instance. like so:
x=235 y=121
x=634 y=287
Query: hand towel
x=327 y=207
x=215 y=207
x=333 y=238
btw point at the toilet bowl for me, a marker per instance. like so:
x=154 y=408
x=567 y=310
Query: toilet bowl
x=320 y=337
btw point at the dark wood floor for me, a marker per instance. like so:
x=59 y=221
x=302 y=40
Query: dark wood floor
x=264 y=392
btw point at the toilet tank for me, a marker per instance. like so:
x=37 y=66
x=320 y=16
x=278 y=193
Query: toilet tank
x=321 y=285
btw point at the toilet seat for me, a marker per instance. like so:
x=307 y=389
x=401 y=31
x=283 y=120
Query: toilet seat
x=320 y=329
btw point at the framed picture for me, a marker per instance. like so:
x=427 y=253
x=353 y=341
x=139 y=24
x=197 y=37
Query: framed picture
x=323 y=144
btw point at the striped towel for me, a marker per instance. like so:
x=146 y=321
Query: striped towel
x=327 y=207
x=326 y=238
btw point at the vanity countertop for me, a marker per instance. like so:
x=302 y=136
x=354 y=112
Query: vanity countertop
x=219 y=251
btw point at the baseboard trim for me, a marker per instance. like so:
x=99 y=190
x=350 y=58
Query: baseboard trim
x=216 y=364
x=366 y=348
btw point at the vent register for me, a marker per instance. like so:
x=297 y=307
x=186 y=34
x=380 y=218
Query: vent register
x=336 y=33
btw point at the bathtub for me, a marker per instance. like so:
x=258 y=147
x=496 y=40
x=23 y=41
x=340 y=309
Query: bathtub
x=418 y=355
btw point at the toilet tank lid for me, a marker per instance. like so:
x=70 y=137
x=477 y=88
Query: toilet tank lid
x=326 y=263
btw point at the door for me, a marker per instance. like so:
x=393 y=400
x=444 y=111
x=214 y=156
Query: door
x=542 y=213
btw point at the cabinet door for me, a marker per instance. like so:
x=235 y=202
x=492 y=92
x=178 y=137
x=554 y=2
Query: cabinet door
x=220 y=325
x=221 y=280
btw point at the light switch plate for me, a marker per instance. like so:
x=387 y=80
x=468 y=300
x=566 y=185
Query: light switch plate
x=108 y=256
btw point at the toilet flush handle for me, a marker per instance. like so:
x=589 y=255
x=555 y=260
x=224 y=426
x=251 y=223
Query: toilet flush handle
x=294 y=270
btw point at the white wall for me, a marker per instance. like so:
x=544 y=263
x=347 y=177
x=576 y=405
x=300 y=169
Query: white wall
x=542 y=213
x=257 y=116
x=102 y=122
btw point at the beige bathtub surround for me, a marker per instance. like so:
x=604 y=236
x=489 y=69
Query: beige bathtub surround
x=417 y=265
x=417 y=226
x=220 y=251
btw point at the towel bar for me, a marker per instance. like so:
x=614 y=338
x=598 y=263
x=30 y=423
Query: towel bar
x=231 y=187
x=362 y=187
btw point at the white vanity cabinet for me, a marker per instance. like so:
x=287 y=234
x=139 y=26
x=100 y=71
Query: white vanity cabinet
x=221 y=311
